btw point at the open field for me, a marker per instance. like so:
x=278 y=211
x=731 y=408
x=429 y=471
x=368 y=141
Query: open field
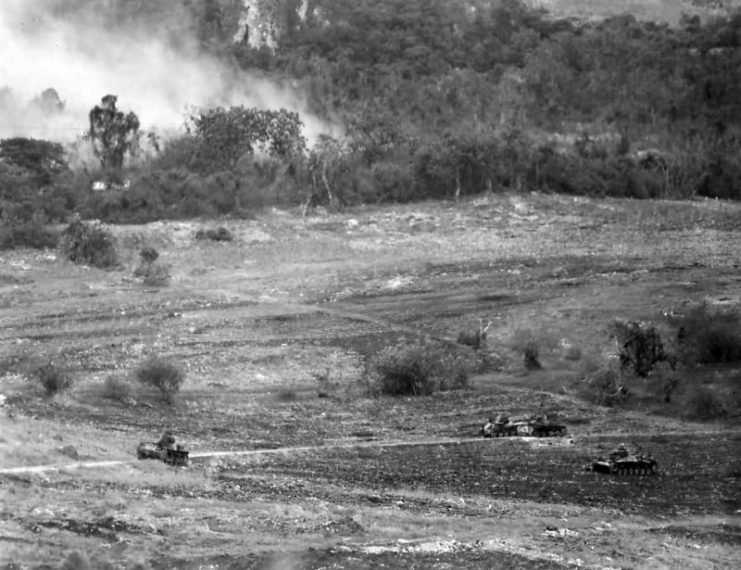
x=273 y=330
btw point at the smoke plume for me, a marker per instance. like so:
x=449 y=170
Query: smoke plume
x=145 y=52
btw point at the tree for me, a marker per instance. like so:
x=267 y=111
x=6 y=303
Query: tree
x=326 y=156
x=162 y=374
x=223 y=136
x=112 y=134
x=48 y=102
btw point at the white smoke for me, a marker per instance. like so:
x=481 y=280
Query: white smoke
x=85 y=49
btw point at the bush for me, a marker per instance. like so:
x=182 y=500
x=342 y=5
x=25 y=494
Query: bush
x=163 y=375
x=219 y=234
x=639 y=346
x=604 y=388
x=153 y=274
x=88 y=243
x=148 y=254
x=76 y=561
x=118 y=389
x=24 y=226
x=530 y=355
x=157 y=275
x=53 y=379
x=709 y=336
x=669 y=385
x=417 y=370
x=704 y=404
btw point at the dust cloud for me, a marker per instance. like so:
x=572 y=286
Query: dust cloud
x=146 y=53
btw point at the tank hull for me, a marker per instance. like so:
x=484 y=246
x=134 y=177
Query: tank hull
x=526 y=429
x=622 y=467
x=177 y=457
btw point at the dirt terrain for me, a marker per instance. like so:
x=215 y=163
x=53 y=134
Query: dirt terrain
x=295 y=465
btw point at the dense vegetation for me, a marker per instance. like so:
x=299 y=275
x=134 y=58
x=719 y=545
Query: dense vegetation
x=437 y=99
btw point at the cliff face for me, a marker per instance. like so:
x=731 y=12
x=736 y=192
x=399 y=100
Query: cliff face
x=261 y=22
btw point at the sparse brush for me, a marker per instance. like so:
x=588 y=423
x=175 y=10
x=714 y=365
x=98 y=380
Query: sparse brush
x=162 y=374
x=703 y=403
x=153 y=274
x=53 y=379
x=669 y=384
x=324 y=383
x=709 y=335
x=76 y=561
x=157 y=275
x=286 y=395
x=604 y=387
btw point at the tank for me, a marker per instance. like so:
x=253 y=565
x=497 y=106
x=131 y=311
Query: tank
x=533 y=428
x=622 y=464
x=546 y=429
x=539 y=427
x=176 y=455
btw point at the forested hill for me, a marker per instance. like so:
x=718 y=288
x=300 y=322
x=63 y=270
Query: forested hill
x=444 y=96
x=433 y=99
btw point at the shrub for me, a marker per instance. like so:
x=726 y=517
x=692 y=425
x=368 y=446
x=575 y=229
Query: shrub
x=530 y=355
x=76 y=561
x=153 y=274
x=21 y=227
x=417 y=369
x=163 y=375
x=324 y=383
x=158 y=275
x=53 y=379
x=604 y=388
x=286 y=395
x=709 y=336
x=118 y=389
x=668 y=385
x=88 y=243
x=148 y=254
x=219 y=234
x=704 y=404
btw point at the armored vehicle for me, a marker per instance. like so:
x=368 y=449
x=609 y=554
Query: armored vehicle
x=538 y=427
x=176 y=455
x=621 y=462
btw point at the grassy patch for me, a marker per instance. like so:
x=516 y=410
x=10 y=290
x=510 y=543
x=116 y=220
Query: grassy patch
x=704 y=404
